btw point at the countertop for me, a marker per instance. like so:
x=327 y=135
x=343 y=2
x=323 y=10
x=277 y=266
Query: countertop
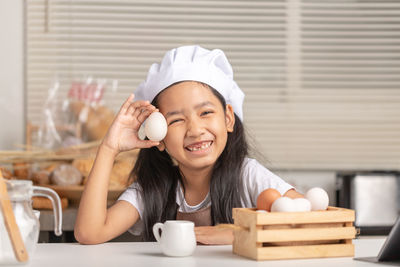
x=149 y=254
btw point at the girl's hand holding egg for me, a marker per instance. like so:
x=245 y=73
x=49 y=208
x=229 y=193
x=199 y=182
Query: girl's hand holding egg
x=123 y=132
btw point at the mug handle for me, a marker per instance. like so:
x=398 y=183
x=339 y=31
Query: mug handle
x=156 y=230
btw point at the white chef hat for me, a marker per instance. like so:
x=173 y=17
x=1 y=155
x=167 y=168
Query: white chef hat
x=193 y=63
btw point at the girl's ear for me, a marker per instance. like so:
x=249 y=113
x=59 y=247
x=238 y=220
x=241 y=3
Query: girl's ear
x=229 y=118
x=161 y=146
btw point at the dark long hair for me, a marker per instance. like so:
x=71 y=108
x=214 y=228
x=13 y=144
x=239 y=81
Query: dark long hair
x=158 y=178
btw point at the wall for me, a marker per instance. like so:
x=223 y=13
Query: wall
x=304 y=180
x=11 y=74
x=12 y=119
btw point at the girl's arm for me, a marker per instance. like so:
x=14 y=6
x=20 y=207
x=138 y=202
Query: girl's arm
x=95 y=223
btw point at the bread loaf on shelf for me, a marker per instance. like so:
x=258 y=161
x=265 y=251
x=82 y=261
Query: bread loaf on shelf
x=41 y=177
x=6 y=173
x=120 y=172
x=66 y=174
x=84 y=165
x=21 y=170
x=96 y=119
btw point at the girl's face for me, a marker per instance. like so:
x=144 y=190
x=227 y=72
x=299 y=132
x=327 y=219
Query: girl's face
x=198 y=124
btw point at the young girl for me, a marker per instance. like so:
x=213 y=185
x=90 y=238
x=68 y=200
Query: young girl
x=198 y=172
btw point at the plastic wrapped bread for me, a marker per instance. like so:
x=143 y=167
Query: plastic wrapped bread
x=66 y=174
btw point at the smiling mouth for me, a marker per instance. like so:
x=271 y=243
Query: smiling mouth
x=199 y=146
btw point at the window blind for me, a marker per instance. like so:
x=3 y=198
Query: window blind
x=321 y=78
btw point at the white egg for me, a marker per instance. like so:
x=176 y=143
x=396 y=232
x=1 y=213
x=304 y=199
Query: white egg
x=302 y=204
x=156 y=127
x=283 y=204
x=318 y=198
x=141 y=133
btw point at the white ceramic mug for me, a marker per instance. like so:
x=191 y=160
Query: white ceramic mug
x=177 y=237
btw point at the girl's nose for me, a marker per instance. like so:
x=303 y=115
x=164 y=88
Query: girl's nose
x=194 y=128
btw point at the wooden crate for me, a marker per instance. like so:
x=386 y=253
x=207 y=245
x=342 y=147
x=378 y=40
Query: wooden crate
x=294 y=235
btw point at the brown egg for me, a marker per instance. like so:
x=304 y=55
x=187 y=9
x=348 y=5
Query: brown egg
x=266 y=198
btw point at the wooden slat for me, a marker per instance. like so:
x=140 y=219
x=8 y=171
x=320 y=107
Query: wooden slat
x=247 y=217
x=283 y=235
x=244 y=244
x=331 y=215
x=244 y=217
x=303 y=252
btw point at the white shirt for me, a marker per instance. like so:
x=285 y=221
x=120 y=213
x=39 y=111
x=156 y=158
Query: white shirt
x=256 y=178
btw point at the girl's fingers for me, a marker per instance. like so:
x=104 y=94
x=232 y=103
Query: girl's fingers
x=144 y=115
x=148 y=143
x=127 y=102
x=130 y=109
x=136 y=105
x=146 y=110
x=138 y=111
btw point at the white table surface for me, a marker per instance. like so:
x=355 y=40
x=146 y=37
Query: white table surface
x=149 y=255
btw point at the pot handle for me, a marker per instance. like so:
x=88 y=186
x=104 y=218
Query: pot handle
x=55 y=201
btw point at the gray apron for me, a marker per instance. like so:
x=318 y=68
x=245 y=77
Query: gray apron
x=201 y=217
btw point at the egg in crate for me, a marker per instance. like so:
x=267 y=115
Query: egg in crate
x=283 y=204
x=302 y=204
x=318 y=198
x=286 y=204
x=266 y=198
